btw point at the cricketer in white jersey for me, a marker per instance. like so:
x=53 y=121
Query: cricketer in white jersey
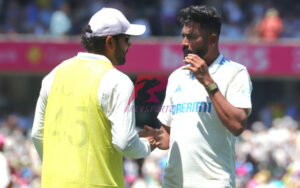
x=210 y=100
x=201 y=148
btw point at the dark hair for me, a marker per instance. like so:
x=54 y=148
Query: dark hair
x=92 y=43
x=208 y=17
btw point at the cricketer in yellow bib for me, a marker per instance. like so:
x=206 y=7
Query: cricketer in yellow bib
x=78 y=150
x=81 y=128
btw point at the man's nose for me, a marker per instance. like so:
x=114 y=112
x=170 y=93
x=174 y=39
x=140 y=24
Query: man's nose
x=184 y=42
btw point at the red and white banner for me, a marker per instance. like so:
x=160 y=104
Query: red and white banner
x=152 y=57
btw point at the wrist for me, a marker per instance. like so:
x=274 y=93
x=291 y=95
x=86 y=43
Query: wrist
x=207 y=80
x=147 y=145
x=212 y=88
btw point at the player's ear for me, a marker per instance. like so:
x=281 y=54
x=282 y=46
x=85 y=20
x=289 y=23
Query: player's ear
x=110 y=43
x=110 y=49
x=213 y=39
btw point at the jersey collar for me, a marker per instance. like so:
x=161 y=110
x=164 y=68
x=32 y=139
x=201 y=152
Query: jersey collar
x=214 y=67
x=86 y=55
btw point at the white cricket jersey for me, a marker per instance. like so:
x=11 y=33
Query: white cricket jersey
x=114 y=91
x=202 y=150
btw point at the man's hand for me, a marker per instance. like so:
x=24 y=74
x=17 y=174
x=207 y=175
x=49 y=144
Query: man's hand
x=199 y=68
x=157 y=137
x=149 y=133
x=162 y=137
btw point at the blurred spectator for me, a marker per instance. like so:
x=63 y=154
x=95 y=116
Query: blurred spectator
x=270 y=27
x=60 y=23
x=259 y=179
x=168 y=16
x=12 y=17
x=265 y=116
x=10 y=125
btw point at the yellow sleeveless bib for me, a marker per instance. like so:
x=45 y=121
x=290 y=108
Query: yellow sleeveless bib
x=78 y=150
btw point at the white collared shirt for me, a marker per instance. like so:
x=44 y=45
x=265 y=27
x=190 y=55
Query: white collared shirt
x=202 y=152
x=114 y=91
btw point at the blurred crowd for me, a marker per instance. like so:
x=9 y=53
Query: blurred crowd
x=269 y=157
x=267 y=154
x=23 y=161
x=266 y=19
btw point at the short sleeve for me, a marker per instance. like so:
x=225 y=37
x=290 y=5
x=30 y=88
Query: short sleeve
x=239 y=90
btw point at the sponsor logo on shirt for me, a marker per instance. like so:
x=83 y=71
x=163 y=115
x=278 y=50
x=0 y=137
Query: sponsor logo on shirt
x=178 y=89
x=189 y=107
x=247 y=93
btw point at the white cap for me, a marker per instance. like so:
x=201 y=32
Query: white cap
x=109 y=21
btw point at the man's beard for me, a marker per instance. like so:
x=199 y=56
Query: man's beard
x=186 y=51
x=201 y=51
x=120 y=56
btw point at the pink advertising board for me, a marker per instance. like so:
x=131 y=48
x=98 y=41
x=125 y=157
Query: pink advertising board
x=151 y=57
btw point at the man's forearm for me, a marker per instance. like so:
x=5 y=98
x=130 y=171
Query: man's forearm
x=134 y=148
x=233 y=118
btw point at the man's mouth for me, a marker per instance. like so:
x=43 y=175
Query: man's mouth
x=186 y=51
